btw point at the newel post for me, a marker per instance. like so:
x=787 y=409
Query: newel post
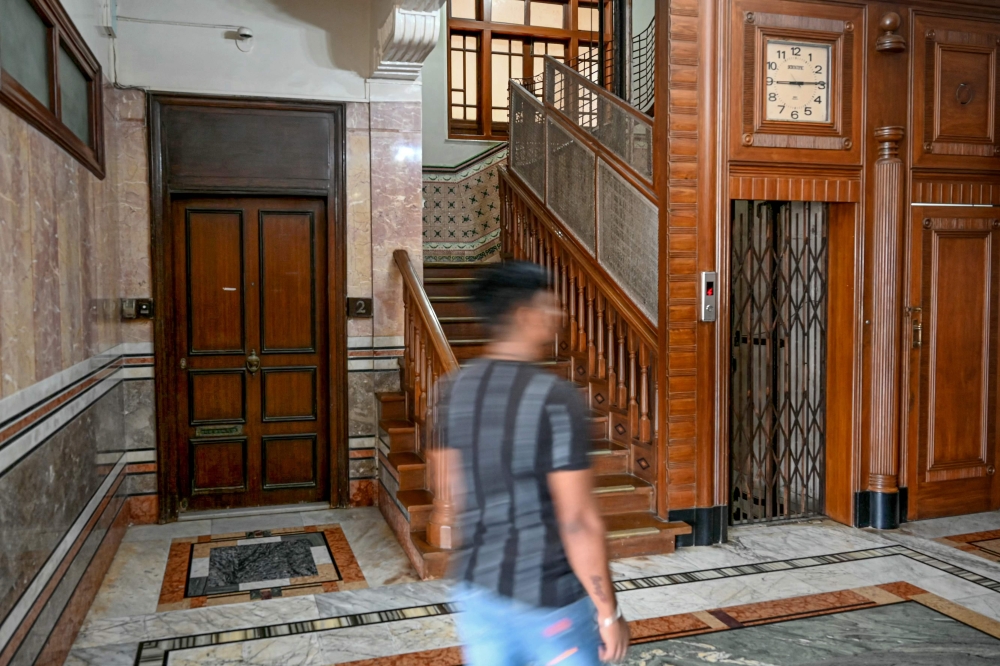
x=886 y=317
x=441 y=531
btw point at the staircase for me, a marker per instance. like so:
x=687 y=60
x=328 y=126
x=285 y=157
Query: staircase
x=626 y=500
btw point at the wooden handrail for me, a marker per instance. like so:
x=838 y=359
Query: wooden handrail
x=610 y=343
x=424 y=308
x=637 y=318
x=427 y=360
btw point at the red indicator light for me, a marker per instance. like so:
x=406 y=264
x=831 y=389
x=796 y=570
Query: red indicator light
x=710 y=292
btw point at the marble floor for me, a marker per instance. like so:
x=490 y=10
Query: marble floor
x=778 y=595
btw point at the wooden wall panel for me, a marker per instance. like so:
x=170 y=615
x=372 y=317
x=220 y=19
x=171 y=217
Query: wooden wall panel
x=677 y=189
x=955 y=93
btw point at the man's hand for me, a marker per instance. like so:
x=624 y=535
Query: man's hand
x=615 y=638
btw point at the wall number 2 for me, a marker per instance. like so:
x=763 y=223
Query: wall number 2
x=359 y=307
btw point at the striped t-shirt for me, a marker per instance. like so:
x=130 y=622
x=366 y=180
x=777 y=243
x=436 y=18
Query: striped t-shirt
x=514 y=423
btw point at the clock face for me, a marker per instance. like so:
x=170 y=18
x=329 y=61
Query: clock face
x=797 y=76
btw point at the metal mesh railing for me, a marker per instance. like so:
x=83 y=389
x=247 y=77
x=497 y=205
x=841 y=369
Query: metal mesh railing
x=644 y=68
x=587 y=63
x=527 y=138
x=625 y=132
x=628 y=238
x=570 y=184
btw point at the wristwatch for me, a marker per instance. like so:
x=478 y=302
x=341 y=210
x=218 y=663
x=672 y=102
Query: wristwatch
x=608 y=621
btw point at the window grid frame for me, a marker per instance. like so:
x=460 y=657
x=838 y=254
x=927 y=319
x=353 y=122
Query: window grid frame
x=485 y=28
x=61 y=33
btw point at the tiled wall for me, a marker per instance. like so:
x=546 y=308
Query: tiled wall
x=67 y=254
x=462 y=212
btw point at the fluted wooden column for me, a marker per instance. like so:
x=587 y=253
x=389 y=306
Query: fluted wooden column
x=886 y=318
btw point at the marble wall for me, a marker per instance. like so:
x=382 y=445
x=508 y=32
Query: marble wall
x=384 y=203
x=65 y=258
x=72 y=246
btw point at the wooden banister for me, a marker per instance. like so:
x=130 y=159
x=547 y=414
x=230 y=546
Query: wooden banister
x=422 y=304
x=427 y=359
x=611 y=341
x=597 y=276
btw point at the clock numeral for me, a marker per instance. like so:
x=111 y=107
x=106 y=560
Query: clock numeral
x=781 y=108
x=795 y=115
x=770 y=81
x=821 y=85
x=796 y=51
x=772 y=65
x=810 y=57
x=808 y=111
x=781 y=54
x=818 y=100
x=818 y=69
x=772 y=97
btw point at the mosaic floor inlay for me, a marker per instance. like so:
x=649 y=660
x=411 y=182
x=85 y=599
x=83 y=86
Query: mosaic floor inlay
x=984 y=544
x=263 y=564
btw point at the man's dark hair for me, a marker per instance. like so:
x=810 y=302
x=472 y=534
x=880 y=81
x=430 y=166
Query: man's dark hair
x=502 y=288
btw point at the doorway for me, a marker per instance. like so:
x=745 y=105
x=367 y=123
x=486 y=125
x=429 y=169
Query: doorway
x=247 y=294
x=778 y=360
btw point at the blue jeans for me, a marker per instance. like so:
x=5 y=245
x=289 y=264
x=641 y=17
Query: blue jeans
x=499 y=631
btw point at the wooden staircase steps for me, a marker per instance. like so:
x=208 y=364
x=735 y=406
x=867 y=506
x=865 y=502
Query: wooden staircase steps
x=641 y=533
x=626 y=501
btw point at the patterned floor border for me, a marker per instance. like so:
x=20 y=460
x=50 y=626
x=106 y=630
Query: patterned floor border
x=157 y=652
x=700 y=623
x=981 y=544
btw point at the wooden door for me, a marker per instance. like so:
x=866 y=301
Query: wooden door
x=953 y=321
x=249 y=298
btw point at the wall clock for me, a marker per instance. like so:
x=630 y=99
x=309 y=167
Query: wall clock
x=795 y=64
x=797 y=81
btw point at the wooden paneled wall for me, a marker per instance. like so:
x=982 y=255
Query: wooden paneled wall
x=915 y=121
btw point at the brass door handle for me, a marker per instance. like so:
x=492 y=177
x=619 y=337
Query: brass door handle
x=918 y=328
x=253 y=362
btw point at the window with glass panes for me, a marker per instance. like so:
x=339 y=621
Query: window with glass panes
x=493 y=41
x=49 y=77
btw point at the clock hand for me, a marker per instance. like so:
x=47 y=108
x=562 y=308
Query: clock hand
x=799 y=83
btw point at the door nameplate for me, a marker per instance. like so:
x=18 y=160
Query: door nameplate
x=218 y=431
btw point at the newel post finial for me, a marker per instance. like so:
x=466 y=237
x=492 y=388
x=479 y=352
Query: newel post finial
x=889 y=41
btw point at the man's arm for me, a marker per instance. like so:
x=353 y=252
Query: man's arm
x=583 y=537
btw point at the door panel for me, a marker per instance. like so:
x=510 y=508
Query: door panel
x=253 y=379
x=954 y=344
x=217 y=396
x=218 y=466
x=214 y=242
x=289 y=394
x=287 y=276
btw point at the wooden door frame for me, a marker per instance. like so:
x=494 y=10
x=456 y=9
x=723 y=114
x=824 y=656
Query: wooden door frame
x=333 y=192
x=845 y=304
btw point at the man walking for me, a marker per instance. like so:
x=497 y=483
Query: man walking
x=532 y=568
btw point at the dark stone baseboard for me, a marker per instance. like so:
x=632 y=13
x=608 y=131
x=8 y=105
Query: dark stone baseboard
x=710 y=525
x=883 y=511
